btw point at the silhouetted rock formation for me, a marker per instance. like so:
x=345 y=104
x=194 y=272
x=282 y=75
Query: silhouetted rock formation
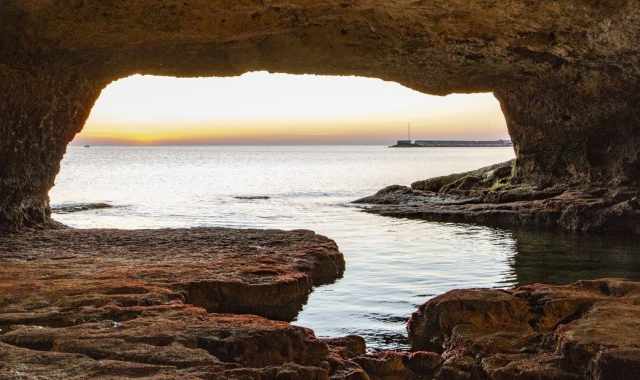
x=566 y=73
x=252 y=197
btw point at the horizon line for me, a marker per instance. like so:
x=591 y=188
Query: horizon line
x=82 y=144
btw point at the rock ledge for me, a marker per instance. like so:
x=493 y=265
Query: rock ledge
x=587 y=330
x=489 y=196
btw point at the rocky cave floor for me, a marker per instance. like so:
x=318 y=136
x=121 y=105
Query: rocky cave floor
x=214 y=304
x=487 y=196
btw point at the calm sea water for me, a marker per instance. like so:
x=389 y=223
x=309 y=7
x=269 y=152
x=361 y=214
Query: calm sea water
x=393 y=265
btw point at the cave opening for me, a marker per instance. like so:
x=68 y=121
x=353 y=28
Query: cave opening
x=268 y=108
x=275 y=151
x=194 y=125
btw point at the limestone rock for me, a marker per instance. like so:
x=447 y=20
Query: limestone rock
x=64 y=276
x=489 y=196
x=565 y=72
x=587 y=330
x=113 y=304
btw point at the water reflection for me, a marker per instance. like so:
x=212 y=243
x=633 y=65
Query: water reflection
x=396 y=264
x=565 y=258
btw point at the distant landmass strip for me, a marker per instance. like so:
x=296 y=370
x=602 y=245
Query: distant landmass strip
x=451 y=143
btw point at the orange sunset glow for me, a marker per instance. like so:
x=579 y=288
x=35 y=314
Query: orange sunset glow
x=264 y=108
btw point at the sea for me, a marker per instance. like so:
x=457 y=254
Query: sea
x=393 y=265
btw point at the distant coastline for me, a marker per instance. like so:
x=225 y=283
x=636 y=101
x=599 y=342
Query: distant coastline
x=451 y=143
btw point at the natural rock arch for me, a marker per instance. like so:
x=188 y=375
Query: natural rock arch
x=566 y=72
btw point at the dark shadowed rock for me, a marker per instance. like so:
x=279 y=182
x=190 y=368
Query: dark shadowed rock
x=79 y=207
x=489 y=196
x=395 y=194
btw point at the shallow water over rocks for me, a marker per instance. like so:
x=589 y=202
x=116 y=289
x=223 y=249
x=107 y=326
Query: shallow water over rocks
x=393 y=265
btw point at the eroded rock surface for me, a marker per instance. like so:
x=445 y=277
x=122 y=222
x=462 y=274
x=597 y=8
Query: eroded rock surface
x=158 y=304
x=489 y=196
x=62 y=276
x=177 y=304
x=79 y=304
x=565 y=72
x=587 y=330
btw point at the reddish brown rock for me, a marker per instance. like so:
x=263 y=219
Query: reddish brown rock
x=184 y=343
x=61 y=276
x=112 y=304
x=587 y=330
x=79 y=304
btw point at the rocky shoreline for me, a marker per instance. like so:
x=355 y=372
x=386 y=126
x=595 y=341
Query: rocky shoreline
x=586 y=330
x=263 y=272
x=79 y=207
x=161 y=304
x=165 y=304
x=489 y=196
x=203 y=303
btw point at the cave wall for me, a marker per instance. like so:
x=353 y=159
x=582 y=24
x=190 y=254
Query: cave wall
x=565 y=72
x=580 y=129
x=40 y=115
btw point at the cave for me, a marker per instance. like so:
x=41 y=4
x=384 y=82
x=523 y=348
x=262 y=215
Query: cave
x=110 y=303
x=568 y=89
x=566 y=74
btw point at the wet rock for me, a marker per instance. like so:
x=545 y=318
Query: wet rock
x=488 y=196
x=79 y=207
x=587 y=330
x=347 y=347
x=395 y=194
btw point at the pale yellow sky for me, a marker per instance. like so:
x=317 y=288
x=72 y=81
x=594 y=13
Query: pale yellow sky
x=279 y=108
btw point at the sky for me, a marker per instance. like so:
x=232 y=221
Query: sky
x=264 y=108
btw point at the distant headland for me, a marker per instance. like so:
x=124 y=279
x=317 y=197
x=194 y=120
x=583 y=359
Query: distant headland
x=451 y=143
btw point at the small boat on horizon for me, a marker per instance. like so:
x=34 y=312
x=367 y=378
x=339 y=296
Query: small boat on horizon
x=87 y=146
